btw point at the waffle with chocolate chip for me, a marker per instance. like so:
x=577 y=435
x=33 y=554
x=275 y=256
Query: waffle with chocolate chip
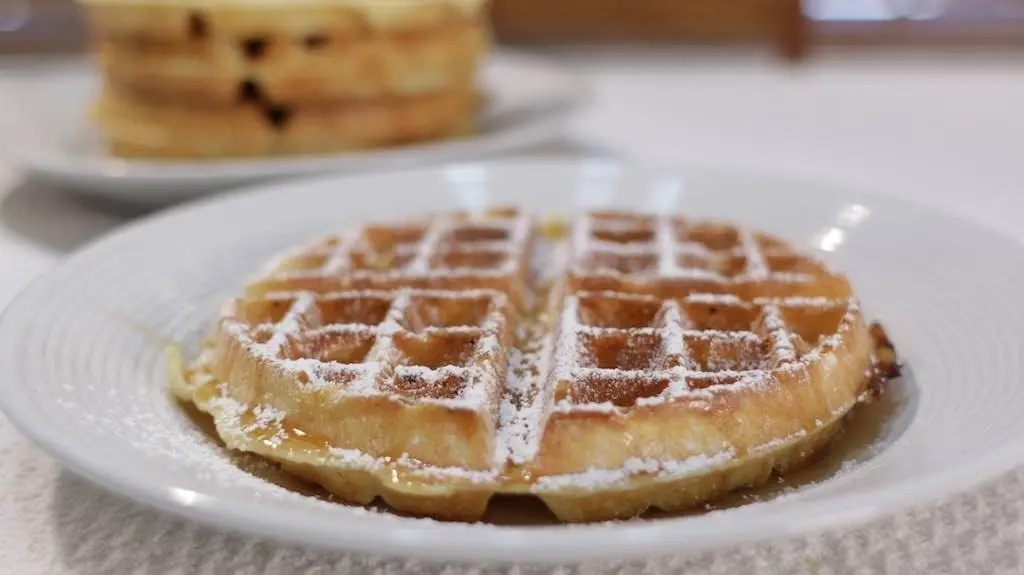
x=609 y=366
x=150 y=129
x=227 y=78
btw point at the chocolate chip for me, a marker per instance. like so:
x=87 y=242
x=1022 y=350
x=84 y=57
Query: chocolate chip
x=278 y=116
x=254 y=48
x=314 y=41
x=249 y=91
x=197 y=27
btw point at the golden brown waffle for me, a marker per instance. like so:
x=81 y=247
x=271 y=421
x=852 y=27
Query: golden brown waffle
x=635 y=362
x=187 y=79
x=136 y=128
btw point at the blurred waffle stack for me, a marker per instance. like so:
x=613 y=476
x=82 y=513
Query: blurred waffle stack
x=240 y=78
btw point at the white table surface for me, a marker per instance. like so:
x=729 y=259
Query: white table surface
x=947 y=130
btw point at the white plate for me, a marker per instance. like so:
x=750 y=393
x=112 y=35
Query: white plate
x=46 y=132
x=83 y=374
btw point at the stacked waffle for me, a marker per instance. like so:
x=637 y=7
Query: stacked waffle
x=235 y=78
x=616 y=364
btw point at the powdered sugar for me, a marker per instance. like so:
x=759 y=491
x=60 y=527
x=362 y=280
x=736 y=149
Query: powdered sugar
x=673 y=340
x=757 y=268
x=357 y=460
x=524 y=410
x=428 y=247
x=595 y=479
x=267 y=418
x=778 y=443
x=665 y=235
x=303 y=321
x=404 y=263
x=778 y=334
x=266 y=423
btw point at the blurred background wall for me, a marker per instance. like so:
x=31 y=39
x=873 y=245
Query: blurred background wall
x=791 y=27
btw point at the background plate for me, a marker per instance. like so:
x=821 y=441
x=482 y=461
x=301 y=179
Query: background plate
x=83 y=374
x=46 y=133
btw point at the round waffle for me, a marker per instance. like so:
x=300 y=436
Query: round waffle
x=613 y=365
x=151 y=129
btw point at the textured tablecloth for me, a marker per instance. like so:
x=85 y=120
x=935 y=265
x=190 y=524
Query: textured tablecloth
x=943 y=130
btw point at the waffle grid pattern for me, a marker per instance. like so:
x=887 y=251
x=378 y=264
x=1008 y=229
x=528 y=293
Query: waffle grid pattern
x=643 y=311
x=448 y=252
x=701 y=331
x=670 y=256
x=417 y=345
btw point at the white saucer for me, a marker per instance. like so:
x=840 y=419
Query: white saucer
x=83 y=372
x=43 y=117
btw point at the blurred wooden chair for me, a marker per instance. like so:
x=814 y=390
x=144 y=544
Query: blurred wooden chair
x=40 y=26
x=55 y=25
x=779 y=23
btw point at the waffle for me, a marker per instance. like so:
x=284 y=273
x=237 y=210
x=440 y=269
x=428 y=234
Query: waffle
x=137 y=128
x=610 y=366
x=285 y=70
x=372 y=74
x=184 y=20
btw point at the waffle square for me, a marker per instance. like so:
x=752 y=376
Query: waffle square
x=371 y=354
x=672 y=257
x=454 y=252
